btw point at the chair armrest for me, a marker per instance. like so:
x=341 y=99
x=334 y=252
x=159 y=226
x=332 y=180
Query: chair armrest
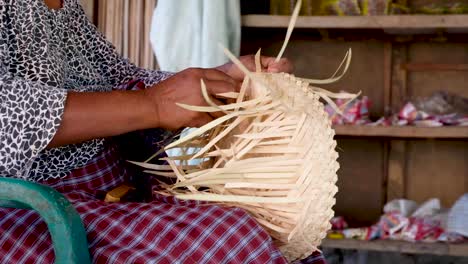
x=64 y=223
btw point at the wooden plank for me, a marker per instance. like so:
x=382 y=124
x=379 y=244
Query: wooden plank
x=387 y=75
x=396 y=163
x=387 y=97
x=399 y=76
x=442 y=249
x=360 y=181
x=396 y=173
x=403 y=22
x=425 y=83
x=434 y=67
x=402 y=132
x=437 y=169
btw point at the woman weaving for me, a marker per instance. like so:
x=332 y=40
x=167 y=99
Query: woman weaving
x=63 y=89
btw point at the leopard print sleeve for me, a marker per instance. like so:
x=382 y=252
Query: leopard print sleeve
x=112 y=67
x=30 y=114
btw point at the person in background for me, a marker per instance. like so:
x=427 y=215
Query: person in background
x=64 y=94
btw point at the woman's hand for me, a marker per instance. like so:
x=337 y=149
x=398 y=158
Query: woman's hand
x=185 y=87
x=105 y=114
x=268 y=65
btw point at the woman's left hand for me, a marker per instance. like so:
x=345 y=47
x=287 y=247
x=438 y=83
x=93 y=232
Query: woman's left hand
x=268 y=65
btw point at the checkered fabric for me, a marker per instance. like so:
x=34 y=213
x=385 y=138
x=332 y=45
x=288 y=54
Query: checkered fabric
x=165 y=230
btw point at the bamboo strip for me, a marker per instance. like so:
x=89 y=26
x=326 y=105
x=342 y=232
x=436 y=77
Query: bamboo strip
x=237 y=198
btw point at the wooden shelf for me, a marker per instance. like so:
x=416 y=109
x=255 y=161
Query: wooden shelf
x=397 y=23
x=442 y=249
x=401 y=132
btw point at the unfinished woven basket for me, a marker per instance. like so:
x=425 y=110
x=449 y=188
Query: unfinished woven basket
x=272 y=154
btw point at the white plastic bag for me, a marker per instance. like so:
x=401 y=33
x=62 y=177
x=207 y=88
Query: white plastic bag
x=458 y=217
x=403 y=206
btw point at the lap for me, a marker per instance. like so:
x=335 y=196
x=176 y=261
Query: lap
x=163 y=231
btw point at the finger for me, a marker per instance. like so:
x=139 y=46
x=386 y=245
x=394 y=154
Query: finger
x=215 y=115
x=217 y=87
x=284 y=65
x=201 y=120
x=226 y=101
x=269 y=64
x=248 y=61
x=216 y=75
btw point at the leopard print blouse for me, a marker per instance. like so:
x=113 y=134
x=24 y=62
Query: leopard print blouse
x=43 y=54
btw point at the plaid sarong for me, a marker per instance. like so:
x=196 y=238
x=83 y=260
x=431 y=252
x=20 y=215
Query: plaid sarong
x=165 y=230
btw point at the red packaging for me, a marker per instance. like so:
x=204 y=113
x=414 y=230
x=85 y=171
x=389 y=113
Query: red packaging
x=422 y=229
x=338 y=223
x=411 y=114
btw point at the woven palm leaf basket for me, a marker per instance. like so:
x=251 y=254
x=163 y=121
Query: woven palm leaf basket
x=272 y=154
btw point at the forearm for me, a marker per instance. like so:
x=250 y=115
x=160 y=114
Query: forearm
x=103 y=114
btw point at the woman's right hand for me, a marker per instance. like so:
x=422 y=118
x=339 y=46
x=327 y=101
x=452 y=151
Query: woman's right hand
x=185 y=87
x=93 y=115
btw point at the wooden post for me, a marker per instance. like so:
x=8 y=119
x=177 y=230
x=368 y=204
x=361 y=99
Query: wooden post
x=387 y=85
x=387 y=77
x=396 y=168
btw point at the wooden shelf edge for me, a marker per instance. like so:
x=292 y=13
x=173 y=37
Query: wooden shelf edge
x=402 y=132
x=404 y=22
x=443 y=249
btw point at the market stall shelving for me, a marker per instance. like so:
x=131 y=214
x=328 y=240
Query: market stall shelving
x=442 y=249
x=401 y=131
x=395 y=58
x=402 y=22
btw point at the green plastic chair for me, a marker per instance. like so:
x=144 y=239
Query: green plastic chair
x=64 y=223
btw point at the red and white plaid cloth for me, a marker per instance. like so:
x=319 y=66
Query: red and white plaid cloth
x=165 y=230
